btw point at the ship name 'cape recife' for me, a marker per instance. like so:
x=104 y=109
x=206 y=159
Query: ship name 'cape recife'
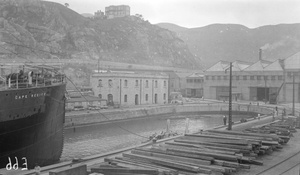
x=32 y=111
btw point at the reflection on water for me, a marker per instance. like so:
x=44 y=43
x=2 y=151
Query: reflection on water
x=102 y=138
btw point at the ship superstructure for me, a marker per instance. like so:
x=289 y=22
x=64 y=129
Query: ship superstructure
x=32 y=111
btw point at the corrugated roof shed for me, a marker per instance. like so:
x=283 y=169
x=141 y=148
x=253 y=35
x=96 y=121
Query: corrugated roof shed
x=196 y=75
x=183 y=74
x=239 y=65
x=258 y=66
x=219 y=66
x=275 y=66
x=85 y=99
x=292 y=62
x=265 y=63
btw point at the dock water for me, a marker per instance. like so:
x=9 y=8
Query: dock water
x=192 y=154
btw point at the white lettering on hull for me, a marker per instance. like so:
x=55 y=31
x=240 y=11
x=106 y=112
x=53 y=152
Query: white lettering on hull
x=18 y=97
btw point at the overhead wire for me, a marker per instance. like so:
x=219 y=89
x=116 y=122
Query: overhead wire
x=36 y=124
x=103 y=115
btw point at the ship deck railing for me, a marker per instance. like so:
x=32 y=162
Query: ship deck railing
x=25 y=83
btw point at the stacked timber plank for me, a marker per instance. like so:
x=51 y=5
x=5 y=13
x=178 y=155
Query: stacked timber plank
x=281 y=128
x=209 y=152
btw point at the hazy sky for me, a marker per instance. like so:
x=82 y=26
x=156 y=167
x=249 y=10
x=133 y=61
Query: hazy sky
x=199 y=13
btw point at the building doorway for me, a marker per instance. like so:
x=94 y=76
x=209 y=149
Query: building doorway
x=193 y=92
x=263 y=94
x=136 y=99
x=110 y=100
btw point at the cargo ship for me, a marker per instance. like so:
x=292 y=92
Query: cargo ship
x=32 y=112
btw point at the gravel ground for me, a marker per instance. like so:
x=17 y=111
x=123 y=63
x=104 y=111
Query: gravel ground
x=281 y=162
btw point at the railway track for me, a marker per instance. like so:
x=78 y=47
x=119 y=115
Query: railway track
x=283 y=166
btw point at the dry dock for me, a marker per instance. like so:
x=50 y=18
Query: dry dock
x=213 y=151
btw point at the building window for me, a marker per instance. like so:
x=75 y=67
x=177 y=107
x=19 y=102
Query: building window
x=206 y=77
x=280 y=77
x=225 y=77
x=258 y=77
x=147 y=84
x=125 y=98
x=219 y=78
x=125 y=83
x=237 y=77
x=100 y=96
x=251 y=77
x=136 y=82
x=156 y=84
x=165 y=84
x=165 y=96
x=99 y=83
x=273 y=77
x=146 y=98
x=245 y=77
x=212 y=77
x=110 y=84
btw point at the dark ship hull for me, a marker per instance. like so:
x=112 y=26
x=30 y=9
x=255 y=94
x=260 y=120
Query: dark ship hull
x=31 y=125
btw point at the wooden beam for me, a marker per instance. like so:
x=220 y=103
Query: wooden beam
x=168 y=163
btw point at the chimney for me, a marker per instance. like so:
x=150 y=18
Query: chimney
x=260 y=54
x=281 y=62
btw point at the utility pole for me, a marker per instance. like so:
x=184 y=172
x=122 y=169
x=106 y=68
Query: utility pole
x=265 y=78
x=230 y=98
x=98 y=64
x=293 y=94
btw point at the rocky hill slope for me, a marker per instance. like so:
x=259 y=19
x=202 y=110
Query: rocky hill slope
x=33 y=28
x=232 y=42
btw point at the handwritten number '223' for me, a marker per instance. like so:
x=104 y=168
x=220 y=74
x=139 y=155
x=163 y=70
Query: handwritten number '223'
x=9 y=166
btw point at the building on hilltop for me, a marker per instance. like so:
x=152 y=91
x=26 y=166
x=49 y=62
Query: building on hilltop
x=130 y=88
x=117 y=11
x=261 y=81
x=99 y=15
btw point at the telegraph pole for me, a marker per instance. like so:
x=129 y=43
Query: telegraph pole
x=265 y=78
x=230 y=98
x=98 y=64
x=293 y=94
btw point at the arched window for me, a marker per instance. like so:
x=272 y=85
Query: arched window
x=147 y=84
x=110 y=83
x=99 y=83
x=125 y=83
x=100 y=96
x=125 y=98
x=136 y=82
x=146 y=98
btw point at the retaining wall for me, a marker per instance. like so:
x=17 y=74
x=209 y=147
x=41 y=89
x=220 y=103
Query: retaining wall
x=122 y=114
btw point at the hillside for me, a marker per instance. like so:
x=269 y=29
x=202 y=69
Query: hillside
x=40 y=29
x=172 y=27
x=232 y=42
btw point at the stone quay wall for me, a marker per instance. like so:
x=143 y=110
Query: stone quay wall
x=142 y=112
